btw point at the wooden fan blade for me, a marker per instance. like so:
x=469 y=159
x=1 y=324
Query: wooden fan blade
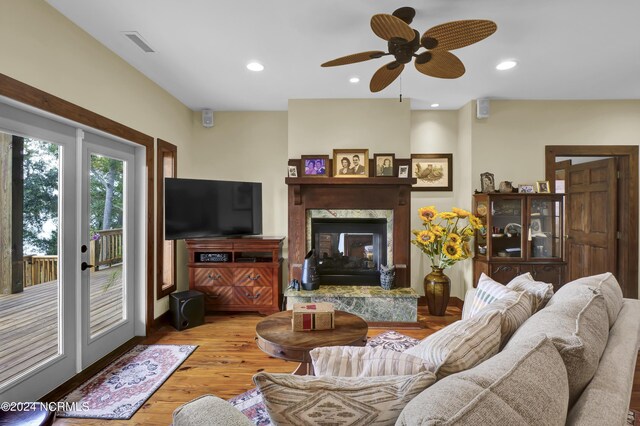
x=356 y=57
x=385 y=76
x=391 y=28
x=441 y=64
x=457 y=34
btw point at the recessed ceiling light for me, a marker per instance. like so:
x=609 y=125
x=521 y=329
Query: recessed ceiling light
x=255 y=66
x=435 y=105
x=506 y=65
x=354 y=80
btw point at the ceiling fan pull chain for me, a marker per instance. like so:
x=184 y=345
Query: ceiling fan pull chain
x=400 y=89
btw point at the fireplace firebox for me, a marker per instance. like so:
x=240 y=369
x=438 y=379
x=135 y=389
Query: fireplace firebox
x=350 y=251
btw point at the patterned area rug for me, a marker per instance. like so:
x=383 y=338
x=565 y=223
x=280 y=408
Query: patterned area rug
x=123 y=386
x=251 y=405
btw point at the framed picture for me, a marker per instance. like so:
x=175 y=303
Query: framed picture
x=293 y=171
x=542 y=186
x=384 y=164
x=526 y=188
x=351 y=163
x=487 y=182
x=314 y=165
x=434 y=172
x=403 y=171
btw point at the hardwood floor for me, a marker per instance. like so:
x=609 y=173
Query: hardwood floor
x=227 y=358
x=224 y=363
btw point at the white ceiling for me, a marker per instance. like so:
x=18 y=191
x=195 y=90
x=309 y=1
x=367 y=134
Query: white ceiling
x=566 y=49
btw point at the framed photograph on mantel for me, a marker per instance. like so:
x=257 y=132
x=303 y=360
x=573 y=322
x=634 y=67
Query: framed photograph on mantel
x=351 y=163
x=315 y=165
x=384 y=164
x=434 y=172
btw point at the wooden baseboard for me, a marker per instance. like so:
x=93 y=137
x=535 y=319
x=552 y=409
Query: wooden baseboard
x=87 y=373
x=163 y=319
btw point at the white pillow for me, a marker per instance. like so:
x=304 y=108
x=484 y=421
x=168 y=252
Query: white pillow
x=539 y=291
x=353 y=361
x=487 y=292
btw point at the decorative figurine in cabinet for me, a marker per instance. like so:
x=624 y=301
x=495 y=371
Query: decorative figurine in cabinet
x=522 y=233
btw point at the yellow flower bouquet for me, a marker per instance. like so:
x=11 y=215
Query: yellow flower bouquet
x=446 y=235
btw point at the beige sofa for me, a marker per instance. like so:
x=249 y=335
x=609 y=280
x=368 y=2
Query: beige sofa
x=542 y=376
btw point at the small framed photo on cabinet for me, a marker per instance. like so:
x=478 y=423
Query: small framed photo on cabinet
x=403 y=171
x=293 y=171
x=525 y=188
x=542 y=186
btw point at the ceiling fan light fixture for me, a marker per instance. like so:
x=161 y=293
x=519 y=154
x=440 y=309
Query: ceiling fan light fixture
x=506 y=65
x=255 y=66
x=354 y=80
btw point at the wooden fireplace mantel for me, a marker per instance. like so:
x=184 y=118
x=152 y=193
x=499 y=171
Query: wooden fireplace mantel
x=374 y=193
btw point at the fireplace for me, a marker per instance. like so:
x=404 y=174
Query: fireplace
x=376 y=208
x=349 y=250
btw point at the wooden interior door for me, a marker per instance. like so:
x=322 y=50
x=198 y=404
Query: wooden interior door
x=591 y=212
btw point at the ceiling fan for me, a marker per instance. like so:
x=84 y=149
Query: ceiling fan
x=404 y=42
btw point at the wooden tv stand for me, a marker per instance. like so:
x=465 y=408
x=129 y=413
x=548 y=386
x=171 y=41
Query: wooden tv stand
x=237 y=274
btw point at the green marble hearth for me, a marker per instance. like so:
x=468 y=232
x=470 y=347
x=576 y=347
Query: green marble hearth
x=372 y=303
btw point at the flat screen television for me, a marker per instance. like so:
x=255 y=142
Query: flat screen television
x=195 y=208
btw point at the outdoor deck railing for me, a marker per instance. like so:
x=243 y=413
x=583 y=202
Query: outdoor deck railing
x=105 y=249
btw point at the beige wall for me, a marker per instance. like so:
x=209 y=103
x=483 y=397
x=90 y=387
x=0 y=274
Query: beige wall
x=317 y=126
x=248 y=146
x=42 y=48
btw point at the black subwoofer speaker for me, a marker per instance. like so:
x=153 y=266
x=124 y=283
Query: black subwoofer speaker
x=187 y=309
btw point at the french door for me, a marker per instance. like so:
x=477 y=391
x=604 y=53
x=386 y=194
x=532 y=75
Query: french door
x=107 y=245
x=71 y=219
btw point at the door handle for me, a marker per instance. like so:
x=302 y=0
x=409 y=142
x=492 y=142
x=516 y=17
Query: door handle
x=84 y=266
x=255 y=278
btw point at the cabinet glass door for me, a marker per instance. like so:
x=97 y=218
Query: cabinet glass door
x=544 y=234
x=506 y=228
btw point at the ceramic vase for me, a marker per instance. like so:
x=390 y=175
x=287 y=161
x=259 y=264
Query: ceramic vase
x=436 y=289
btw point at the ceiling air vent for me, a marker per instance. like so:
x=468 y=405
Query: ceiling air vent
x=138 y=40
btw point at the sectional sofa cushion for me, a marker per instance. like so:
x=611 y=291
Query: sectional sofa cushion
x=305 y=400
x=209 y=410
x=523 y=386
x=514 y=310
x=353 y=361
x=487 y=292
x=461 y=345
x=539 y=291
x=579 y=328
x=606 y=283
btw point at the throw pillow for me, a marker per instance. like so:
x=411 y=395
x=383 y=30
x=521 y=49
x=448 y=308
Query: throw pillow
x=353 y=361
x=579 y=329
x=487 y=292
x=523 y=386
x=606 y=283
x=514 y=308
x=539 y=291
x=303 y=400
x=461 y=345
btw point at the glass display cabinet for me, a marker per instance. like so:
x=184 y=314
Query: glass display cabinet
x=522 y=233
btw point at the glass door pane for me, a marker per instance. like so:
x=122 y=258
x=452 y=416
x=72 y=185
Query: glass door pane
x=30 y=290
x=544 y=228
x=106 y=195
x=506 y=228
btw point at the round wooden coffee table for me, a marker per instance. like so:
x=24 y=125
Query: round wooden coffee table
x=276 y=337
